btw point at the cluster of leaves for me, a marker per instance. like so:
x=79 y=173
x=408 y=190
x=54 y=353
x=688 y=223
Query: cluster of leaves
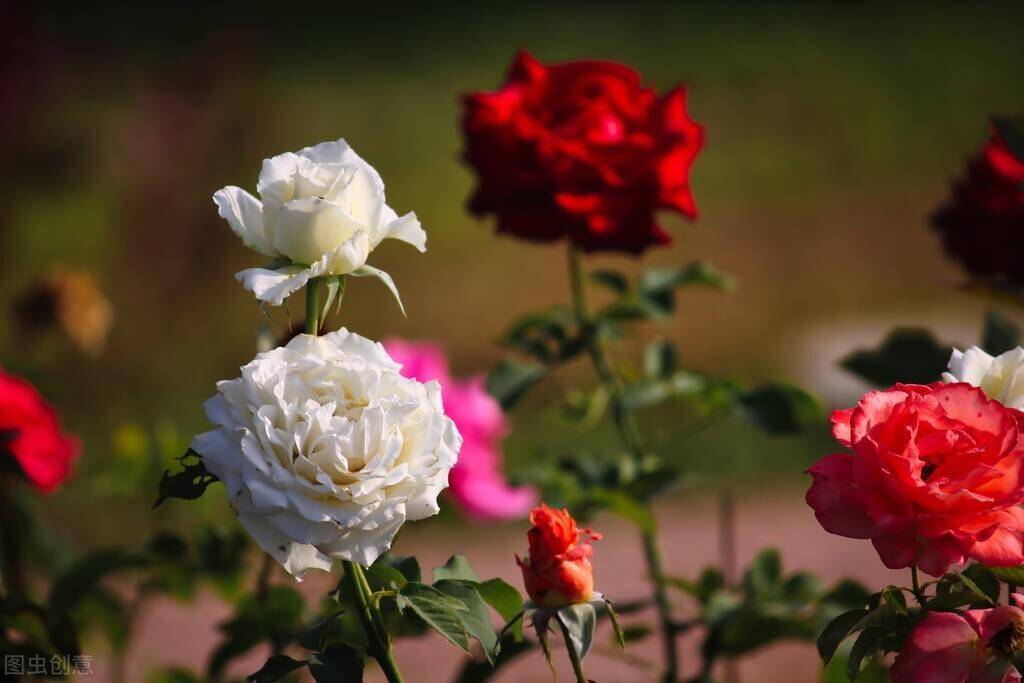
x=765 y=607
x=882 y=623
x=455 y=604
x=80 y=600
x=914 y=356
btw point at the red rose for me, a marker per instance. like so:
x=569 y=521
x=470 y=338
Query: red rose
x=580 y=150
x=935 y=477
x=982 y=222
x=29 y=431
x=558 y=572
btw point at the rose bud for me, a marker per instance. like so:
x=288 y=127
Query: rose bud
x=557 y=571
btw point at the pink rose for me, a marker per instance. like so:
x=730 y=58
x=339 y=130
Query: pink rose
x=975 y=647
x=935 y=477
x=477 y=483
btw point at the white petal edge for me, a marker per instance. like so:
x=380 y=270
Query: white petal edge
x=244 y=213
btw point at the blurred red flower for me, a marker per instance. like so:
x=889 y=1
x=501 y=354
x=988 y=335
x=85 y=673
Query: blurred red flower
x=30 y=432
x=557 y=571
x=935 y=477
x=982 y=223
x=580 y=150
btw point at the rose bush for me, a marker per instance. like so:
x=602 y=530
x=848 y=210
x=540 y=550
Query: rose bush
x=477 y=482
x=999 y=377
x=981 y=223
x=321 y=211
x=326 y=449
x=557 y=570
x=580 y=151
x=975 y=647
x=935 y=477
x=30 y=433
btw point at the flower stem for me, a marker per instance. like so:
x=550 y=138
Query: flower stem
x=313 y=307
x=373 y=623
x=630 y=436
x=915 y=583
x=574 y=657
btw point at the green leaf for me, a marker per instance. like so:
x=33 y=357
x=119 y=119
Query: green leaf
x=476 y=620
x=275 y=669
x=476 y=671
x=188 y=484
x=865 y=645
x=370 y=271
x=580 y=621
x=81 y=577
x=954 y=599
x=505 y=600
x=457 y=567
x=908 y=355
x=439 y=611
x=893 y=596
x=382 y=576
x=620 y=635
x=335 y=290
x=836 y=631
x=656 y=280
x=611 y=279
x=1000 y=334
x=660 y=359
x=983 y=580
x=1013 y=575
x=779 y=408
x=710 y=581
x=509 y=380
x=338 y=664
x=408 y=566
x=764 y=576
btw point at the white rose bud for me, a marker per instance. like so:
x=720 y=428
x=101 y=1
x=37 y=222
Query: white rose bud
x=322 y=211
x=326 y=449
x=1001 y=378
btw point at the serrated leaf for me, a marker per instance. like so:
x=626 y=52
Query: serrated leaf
x=836 y=632
x=275 y=669
x=457 y=567
x=188 y=484
x=476 y=620
x=408 y=566
x=505 y=600
x=509 y=380
x=908 y=355
x=370 y=271
x=439 y=611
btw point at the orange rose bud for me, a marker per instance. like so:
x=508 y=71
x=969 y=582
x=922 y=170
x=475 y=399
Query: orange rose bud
x=558 y=572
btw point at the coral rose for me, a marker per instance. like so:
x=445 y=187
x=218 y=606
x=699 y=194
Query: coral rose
x=934 y=478
x=582 y=151
x=982 y=222
x=30 y=433
x=976 y=647
x=557 y=571
x=477 y=483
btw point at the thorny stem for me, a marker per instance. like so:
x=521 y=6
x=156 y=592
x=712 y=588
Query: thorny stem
x=574 y=657
x=630 y=436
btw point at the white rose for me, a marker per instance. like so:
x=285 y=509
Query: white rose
x=321 y=210
x=1001 y=378
x=326 y=449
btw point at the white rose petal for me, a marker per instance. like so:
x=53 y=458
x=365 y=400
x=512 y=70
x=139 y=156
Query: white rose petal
x=325 y=449
x=323 y=209
x=1001 y=377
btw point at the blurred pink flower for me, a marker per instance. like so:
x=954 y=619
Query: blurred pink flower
x=477 y=482
x=973 y=647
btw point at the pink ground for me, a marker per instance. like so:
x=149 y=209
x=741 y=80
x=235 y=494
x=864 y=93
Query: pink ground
x=174 y=634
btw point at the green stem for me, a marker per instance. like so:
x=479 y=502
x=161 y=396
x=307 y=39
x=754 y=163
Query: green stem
x=915 y=583
x=373 y=624
x=313 y=307
x=574 y=657
x=630 y=435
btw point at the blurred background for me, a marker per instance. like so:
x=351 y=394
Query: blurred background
x=832 y=133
